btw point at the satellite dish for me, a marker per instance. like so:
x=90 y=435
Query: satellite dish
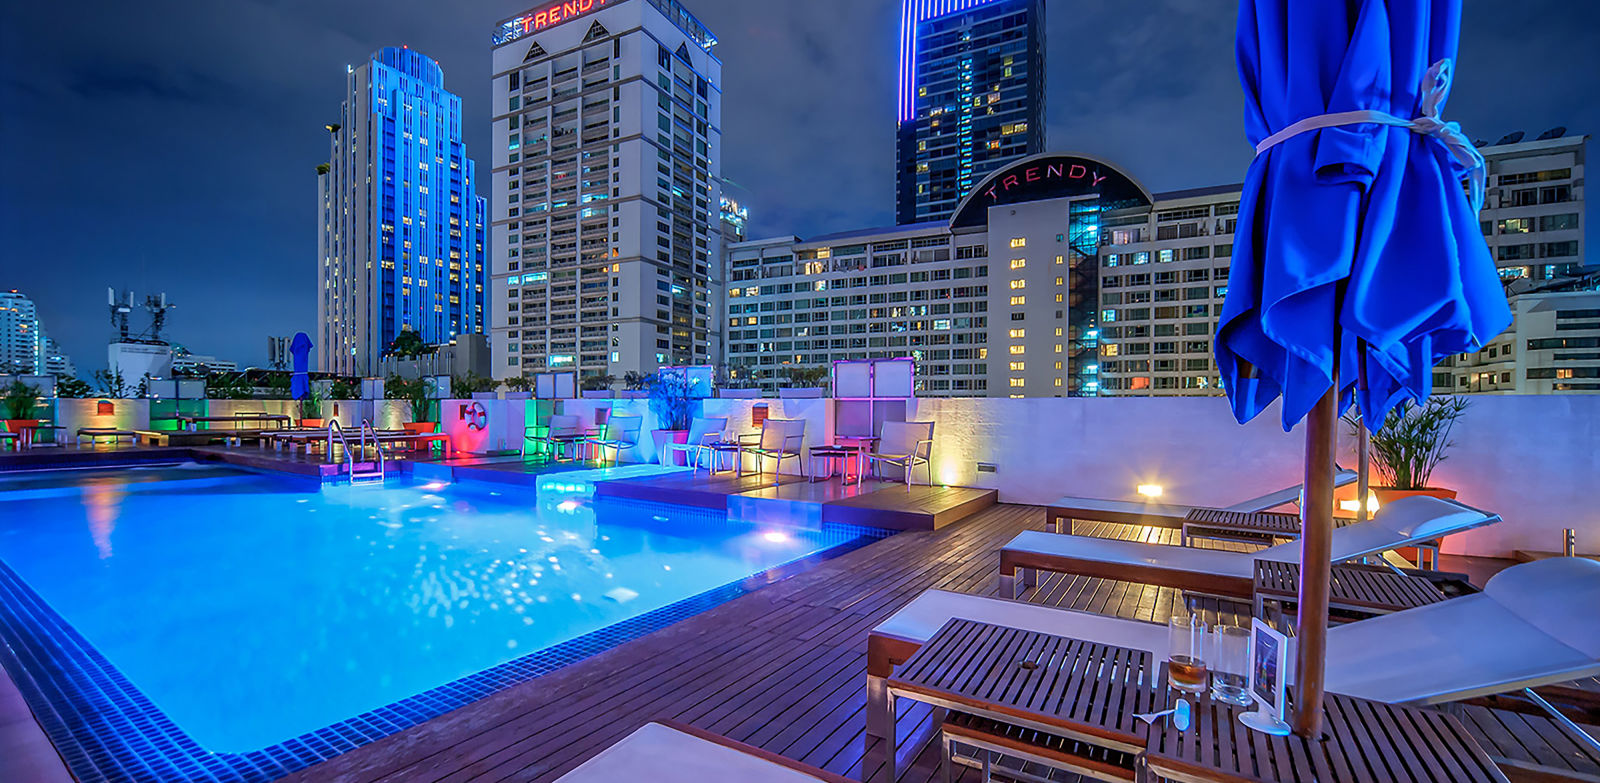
x=1554 y=133
x=1510 y=138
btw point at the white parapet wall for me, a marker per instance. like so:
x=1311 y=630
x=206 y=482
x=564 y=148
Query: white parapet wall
x=1531 y=459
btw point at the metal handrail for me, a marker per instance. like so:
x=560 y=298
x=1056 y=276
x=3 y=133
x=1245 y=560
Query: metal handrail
x=377 y=445
x=333 y=427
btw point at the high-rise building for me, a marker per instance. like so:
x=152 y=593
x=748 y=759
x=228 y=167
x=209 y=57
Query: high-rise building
x=56 y=360
x=22 y=340
x=401 y=229
x=1552 y=347
x=1061 y=276
x=971 y=98
x=605 y=232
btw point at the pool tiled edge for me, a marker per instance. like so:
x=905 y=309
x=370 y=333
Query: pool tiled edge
x=107 y=730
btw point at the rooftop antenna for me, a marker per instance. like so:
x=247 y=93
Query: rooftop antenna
x=119 y=312
x=156 y=305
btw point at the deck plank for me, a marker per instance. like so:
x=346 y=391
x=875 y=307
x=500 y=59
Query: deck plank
x=790 y=679
x=781 y=668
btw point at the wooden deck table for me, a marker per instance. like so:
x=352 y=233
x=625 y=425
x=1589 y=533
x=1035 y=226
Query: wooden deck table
x=1365 y=742
x=840 y=456
x=1361 y=589
x=1057 y=685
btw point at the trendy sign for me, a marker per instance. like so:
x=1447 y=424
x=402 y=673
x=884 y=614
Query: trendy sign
x=546 y=18
x=1044 y=177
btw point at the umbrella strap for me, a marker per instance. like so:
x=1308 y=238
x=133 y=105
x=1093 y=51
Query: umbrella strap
x=1435 y=88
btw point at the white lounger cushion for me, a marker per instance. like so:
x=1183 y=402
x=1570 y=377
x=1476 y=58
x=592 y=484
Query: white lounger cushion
x=928 y=612
x=1272 y=500
x=663 y=754
x=1110 y=550
x=1535 y=623
x=1130 y=507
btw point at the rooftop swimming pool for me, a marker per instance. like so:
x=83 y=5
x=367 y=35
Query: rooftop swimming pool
x=260 y=623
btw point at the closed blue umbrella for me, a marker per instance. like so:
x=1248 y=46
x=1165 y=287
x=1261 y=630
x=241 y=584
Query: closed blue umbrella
x=1358 y=250
x=300 y=380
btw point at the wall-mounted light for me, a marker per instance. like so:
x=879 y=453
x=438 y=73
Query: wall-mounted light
x=1353 y=505
x=1150 y=490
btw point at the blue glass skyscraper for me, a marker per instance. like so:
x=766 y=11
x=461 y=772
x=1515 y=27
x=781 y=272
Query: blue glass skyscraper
x=971 y=98
x=400 y=223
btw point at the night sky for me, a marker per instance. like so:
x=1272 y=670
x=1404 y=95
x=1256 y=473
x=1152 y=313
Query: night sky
x=171 y=145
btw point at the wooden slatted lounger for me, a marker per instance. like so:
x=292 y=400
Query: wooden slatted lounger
x=1061 y=513
x=95 y=433
x=1402 y=523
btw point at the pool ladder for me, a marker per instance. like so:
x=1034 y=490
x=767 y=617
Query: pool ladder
x=376 y=475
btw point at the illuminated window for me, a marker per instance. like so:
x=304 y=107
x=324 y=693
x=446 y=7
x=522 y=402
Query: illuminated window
x=1109 y=349
x=1018 y=333
x=1017 y=350
x=1061 y=280
x=1058 y=380
x=1058 y=365
x=983 y=353
x=1018 y=263
x=1058 y=350
x=1058 y=259
x=1019 y=300
x=1019 y=242
x=1018 y=366
x=1015 y=284
x=1058 y=331
x=1017 y=383
x=1058 y=298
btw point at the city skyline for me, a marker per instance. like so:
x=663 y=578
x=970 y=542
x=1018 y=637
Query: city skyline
x=221 y=220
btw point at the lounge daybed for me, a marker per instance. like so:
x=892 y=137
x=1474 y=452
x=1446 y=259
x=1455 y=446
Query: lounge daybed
x=1061 y=513
x=1407 y=522
x=1533 y=624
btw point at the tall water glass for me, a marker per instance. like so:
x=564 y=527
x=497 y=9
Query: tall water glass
x=1230 y=655
x=1186 y=657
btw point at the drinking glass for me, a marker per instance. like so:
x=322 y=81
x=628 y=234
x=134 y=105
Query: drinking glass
x=1186 y=658
x=1230 y=654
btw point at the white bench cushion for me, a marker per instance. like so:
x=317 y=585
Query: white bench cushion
x=1106 y=550
x=919 y=620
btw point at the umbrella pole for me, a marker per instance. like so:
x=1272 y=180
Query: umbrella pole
x=1316 y=547
x=1363 y=444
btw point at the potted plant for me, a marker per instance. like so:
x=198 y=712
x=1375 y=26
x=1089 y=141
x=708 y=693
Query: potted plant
x=21 y=403
x=1410 y=444
x=311 y=408
x=670 y=402
x=415 y=392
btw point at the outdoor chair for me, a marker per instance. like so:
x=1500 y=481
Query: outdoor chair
x=1171 y=515
x=1532 y=625
x=703 y=431
x=671 y=752
x=563 y=432
x=619 y=433
x=905 y=445
x=778 y=440
x=1407 y=522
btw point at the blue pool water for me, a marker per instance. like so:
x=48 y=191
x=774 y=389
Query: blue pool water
x=251 y=609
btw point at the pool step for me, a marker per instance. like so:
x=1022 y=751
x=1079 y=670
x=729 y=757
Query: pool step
x=775 y=511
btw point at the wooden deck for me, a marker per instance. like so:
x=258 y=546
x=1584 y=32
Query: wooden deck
x=884 y=504
x=790 y=681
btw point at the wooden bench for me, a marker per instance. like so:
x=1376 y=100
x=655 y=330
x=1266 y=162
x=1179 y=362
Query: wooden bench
x=1531 y=747
x=95 y=433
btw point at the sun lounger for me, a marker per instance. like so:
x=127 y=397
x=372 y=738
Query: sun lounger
x=1405 y=522
x=619 y=434
x=94 y=434
x=703 y=432
x=671 y=752
x=1063 y=511
x=1533 y=625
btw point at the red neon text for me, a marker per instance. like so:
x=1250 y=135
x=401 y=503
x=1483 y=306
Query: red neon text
x=556 y=13
x=1047 y=171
